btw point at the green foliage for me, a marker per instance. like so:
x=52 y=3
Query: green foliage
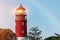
x=34 y=34
x=58 y=35
x=52 y=38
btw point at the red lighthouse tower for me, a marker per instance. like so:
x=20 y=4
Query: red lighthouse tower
x=21 y=23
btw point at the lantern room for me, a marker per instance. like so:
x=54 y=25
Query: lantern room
x=20 y=10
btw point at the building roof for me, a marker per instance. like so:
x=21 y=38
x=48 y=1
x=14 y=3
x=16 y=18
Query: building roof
x=21 y=8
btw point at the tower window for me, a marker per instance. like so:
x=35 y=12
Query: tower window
x=22 y=31
x=22 y=23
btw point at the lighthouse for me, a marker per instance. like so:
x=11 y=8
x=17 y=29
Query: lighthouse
x=21 y=23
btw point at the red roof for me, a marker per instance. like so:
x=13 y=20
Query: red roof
x=20 y=8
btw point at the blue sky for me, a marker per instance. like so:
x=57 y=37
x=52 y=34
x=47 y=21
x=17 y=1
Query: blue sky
x=42 y=13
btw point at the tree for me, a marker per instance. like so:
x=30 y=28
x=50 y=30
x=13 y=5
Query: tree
x=34 y=34
x=6 y=34
x=52 y=38
x=48 y=38
x=58 y=35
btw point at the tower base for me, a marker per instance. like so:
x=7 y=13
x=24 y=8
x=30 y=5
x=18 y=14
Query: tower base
x=22 y=38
